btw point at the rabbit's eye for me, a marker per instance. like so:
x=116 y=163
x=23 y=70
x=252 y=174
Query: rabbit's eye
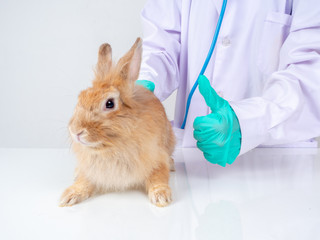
x=110 y=103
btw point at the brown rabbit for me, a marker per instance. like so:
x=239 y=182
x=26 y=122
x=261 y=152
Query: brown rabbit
x=121 y=135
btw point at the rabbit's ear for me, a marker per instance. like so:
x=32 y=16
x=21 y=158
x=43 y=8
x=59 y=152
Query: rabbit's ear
x=104 y=61
x=129 y=65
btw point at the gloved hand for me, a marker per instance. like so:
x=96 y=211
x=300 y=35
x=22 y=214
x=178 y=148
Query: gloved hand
x=218 y=134
x=147 y=84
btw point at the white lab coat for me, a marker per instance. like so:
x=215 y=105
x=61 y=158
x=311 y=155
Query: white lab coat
x=266 y=63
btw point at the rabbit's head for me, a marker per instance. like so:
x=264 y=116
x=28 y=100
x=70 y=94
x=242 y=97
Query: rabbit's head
x=103 y=111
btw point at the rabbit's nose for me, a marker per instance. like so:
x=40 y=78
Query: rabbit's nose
x=79 y=136
x=80 y=133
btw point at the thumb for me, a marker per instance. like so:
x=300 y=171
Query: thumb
x=213 y=100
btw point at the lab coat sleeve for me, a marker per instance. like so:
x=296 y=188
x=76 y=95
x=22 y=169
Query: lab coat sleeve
x=161 y=45
x=289 y=109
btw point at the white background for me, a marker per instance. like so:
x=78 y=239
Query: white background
x=48 y=50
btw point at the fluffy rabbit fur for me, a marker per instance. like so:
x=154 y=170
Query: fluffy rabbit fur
x=120 y=134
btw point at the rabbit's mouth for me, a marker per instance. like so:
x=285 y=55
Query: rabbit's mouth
x=80 y=138
x=86 y=143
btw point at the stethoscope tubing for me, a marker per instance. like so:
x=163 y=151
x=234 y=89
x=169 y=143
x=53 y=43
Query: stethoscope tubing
x=204 y=67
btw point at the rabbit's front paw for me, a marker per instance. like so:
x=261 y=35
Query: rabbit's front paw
x=73 y=195
x=160 y=195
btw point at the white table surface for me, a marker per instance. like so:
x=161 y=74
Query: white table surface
x=265 y=194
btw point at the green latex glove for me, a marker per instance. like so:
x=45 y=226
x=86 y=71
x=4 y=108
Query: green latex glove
x=147 y=84
x=218 y=134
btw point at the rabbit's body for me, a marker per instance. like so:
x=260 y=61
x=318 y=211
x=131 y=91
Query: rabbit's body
x=122 y=137
x=133 y=156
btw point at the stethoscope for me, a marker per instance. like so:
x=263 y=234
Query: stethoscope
x=213 y=44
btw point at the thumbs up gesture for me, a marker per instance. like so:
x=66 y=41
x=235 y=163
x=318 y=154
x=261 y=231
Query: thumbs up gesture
x=218 y=134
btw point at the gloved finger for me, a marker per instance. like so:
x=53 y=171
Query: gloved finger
x=210 y=138
x=209 y=121
x=208 y=141
x=210 y=157
x=214 y=159
x=213 y=100
x=203 y=135
x=204 y=147
x=198 y=122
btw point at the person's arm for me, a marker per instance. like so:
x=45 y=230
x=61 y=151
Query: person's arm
x=289 y=109
x=161 y=45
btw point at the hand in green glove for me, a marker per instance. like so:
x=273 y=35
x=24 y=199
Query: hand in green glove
x=218 y=134
x=147 y=84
